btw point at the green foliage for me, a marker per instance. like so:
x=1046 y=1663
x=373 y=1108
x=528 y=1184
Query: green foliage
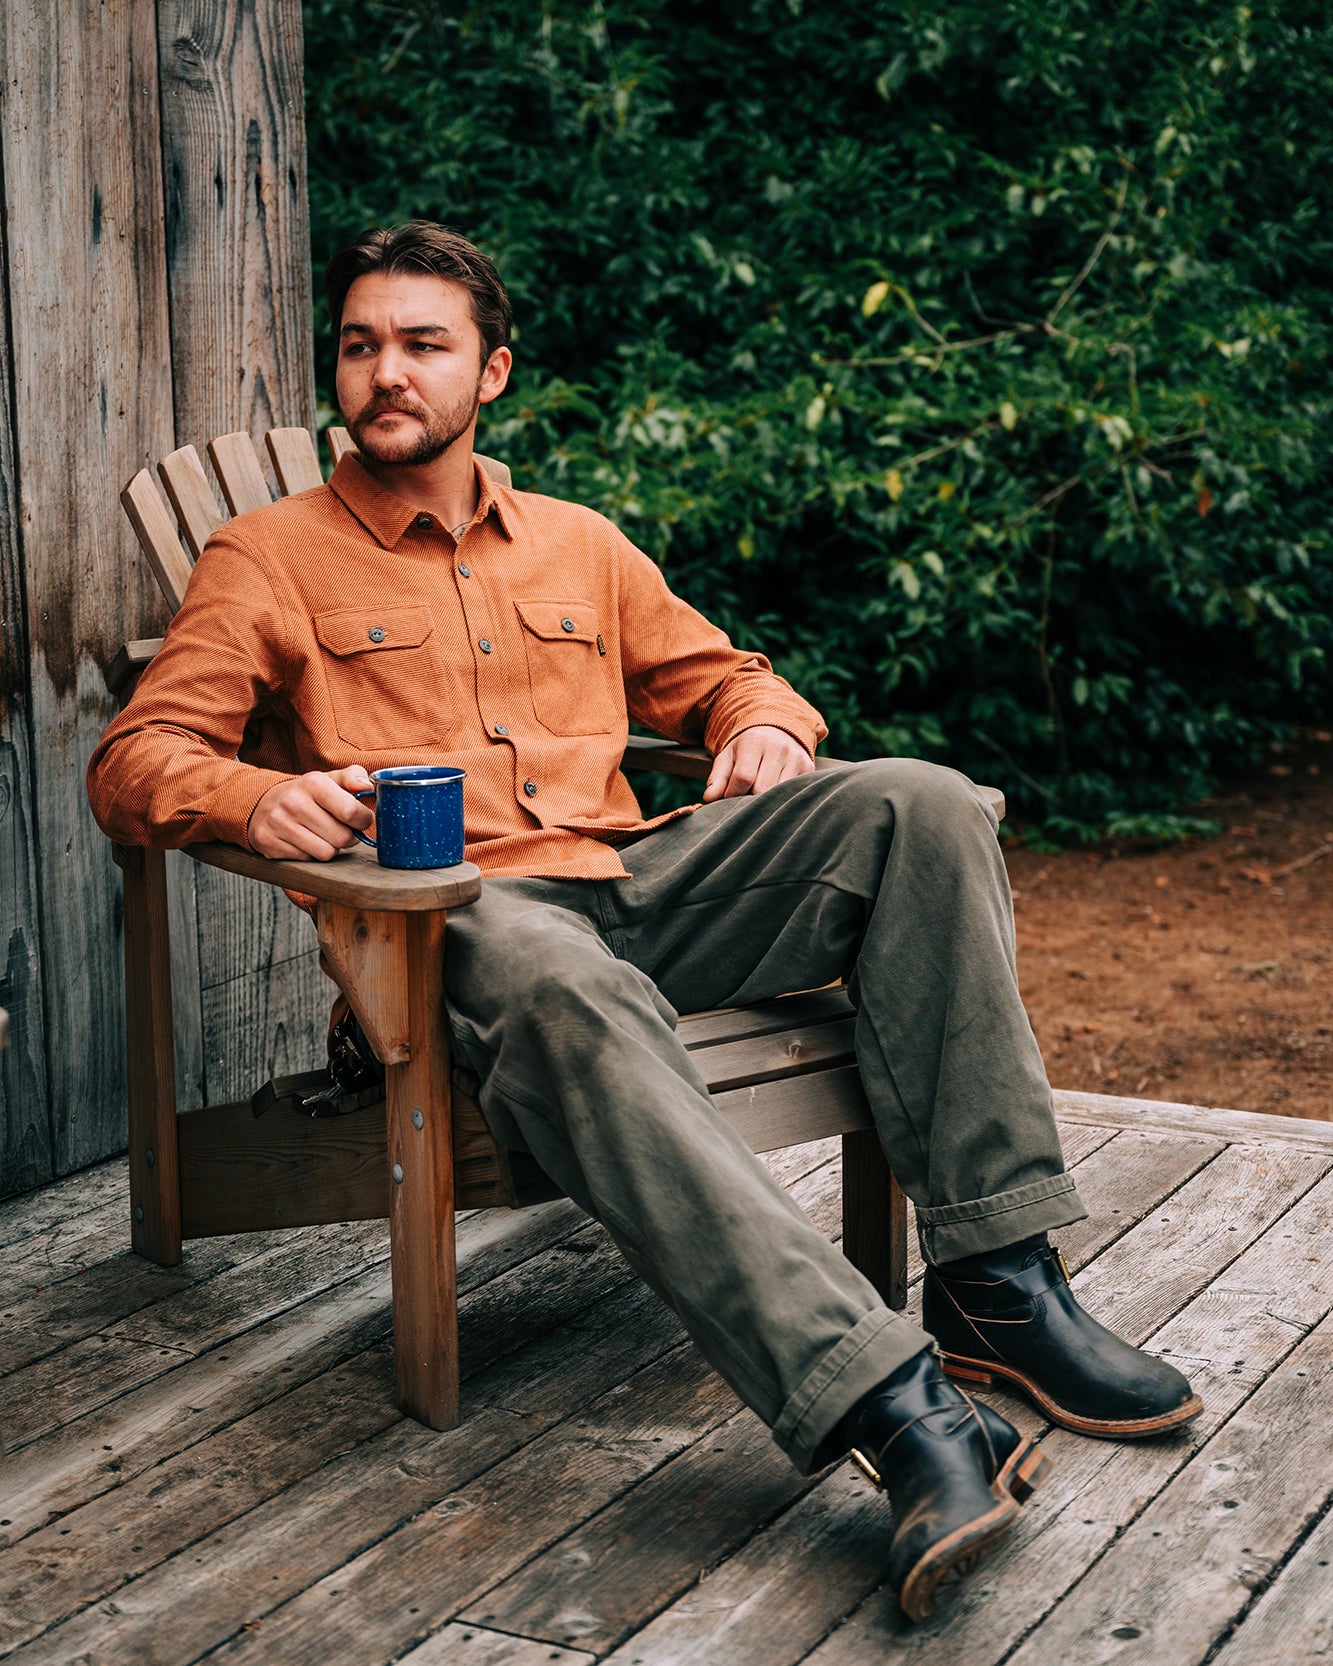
x=973 y=361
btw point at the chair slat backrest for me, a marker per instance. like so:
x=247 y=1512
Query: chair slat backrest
x=197 y=510
x=240 y=473
x=295 y=460
x=157 y=537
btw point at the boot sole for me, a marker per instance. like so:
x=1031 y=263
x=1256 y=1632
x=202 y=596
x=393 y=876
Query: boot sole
x=950 y=1561
x=984 y=1372
x=1023 y=1471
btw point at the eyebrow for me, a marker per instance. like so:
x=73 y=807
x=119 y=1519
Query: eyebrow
x=407 y=330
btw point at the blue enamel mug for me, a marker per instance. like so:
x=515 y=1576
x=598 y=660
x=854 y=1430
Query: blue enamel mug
x=418 y=816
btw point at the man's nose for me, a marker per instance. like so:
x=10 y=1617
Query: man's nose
x=390 y=368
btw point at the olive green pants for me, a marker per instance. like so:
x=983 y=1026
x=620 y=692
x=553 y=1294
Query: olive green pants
x=563 y=997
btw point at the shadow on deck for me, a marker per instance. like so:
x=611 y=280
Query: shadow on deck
x=206 y=1459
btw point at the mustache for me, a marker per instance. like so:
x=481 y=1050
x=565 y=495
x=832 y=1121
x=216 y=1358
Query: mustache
x=381 y=402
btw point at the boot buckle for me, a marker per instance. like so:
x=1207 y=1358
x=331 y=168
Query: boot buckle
x=863 y=1463
x=1063 y=1265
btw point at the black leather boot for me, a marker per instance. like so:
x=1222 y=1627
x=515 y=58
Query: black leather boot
x=1010 y=1315
x=955 y=1473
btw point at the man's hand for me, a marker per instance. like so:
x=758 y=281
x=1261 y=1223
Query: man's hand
x=312 y=816
x=756 y=760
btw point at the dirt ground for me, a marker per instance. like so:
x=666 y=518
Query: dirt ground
x=1200 y=972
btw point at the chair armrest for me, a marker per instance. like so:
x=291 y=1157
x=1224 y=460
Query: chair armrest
x=668 y=757
x=353 y=877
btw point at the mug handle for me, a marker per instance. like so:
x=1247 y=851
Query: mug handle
x=365 y=838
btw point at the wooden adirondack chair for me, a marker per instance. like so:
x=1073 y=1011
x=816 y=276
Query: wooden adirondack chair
x=783 y=1072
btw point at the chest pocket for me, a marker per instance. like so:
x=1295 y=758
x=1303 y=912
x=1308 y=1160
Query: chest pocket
x=573 y=679
x=385 y=677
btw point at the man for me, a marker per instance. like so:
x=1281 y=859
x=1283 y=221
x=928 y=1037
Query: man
x=411 y=611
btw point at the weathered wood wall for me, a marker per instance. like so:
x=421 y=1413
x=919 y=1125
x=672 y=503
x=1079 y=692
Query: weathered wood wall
x=156 y=286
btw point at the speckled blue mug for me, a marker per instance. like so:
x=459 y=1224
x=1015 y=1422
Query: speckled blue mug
x=418 y=816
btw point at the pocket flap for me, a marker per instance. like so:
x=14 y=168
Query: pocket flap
x=559 y=621
x=363 y=630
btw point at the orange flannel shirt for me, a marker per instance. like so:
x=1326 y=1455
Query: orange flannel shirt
x=343 y=626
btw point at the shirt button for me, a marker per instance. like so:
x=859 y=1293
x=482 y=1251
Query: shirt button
x=530 y=787
x=425 y=520
x=464 y=570
x=566 y=624
x=501 y=729
x=376 y=633
x=484 y=645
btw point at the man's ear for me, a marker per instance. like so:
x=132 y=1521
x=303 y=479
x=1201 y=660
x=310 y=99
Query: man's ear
x=495 y=377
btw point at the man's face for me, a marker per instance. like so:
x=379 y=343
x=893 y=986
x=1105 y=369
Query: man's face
x=410 y=377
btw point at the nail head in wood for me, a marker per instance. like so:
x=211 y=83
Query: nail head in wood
x=418 y=1121
x=138 y=1211
x=398 y=1173
x=149 y=1158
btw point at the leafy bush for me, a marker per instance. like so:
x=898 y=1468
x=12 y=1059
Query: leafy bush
x=973 y=361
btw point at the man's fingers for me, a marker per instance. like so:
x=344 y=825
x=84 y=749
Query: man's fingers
x=330 y=795
x=720 y=774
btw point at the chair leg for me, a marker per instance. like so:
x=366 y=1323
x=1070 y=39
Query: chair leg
x=874 y=1216
x=155 y=1229
x=421 y=1193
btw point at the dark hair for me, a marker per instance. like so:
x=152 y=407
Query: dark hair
x=425 y=246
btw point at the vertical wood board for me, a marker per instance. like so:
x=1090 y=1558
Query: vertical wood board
x=238 y=272
x=25 y=1135
x=86 y=285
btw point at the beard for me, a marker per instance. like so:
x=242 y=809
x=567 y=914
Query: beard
x=440 y=428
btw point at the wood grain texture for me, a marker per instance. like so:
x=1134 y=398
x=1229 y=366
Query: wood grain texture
x=258 y=1028
x=364 y=953
x=294 y=458
x=25 y=1133
x=421 y=1199
x=79 y=127
x=239 y=472
x=242 y=1173
x=353 y=876
x=1183 y=1572
x=237 y=251
x=468 y=1645
x=198 y=512
x=25 y=1136
x=158 y=539
x=155 y=1229
x=1241 y=1127
x=237 y=226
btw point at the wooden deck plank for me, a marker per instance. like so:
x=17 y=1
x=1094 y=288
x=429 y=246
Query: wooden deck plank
x=1096 y=1488
x=380 y=1480
x=790 y=1585
x=76 y=1379
x=1216 y=1255
x=79 y=1305
x=1235 y=1127
x=1293 y=1619
x=88 y=1193
x=465 y=1645
x=460 y=1515
x=164 y=1416
x=608 y=1576
x=602 y=1593
x=1189 y=1239
x=1174 y=1581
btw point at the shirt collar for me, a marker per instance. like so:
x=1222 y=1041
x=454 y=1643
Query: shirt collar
x=386 y=516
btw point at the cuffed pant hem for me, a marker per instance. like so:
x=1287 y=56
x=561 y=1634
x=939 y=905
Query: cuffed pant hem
x=874 y=1348
x=956 y=1229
